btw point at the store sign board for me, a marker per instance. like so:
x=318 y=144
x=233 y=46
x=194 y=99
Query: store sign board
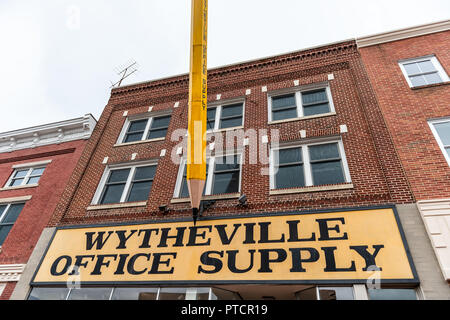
x=354 y=245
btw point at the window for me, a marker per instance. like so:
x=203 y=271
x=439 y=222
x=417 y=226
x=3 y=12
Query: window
x=423 y=71
x=25 y=176
x=145 y=129
x=225 y=116
x=8 y=216
x=126 y=184
x=309 y=165
x=441 y=131
x=223 y=175
x=392 y=294
x=300 y=104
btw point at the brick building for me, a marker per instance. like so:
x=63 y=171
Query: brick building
x=305 y=195
x=35 y=166
x=409 y=71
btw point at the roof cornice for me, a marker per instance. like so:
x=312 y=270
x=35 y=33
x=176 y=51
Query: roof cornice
x=403 y=33
x=46 y=134
x=314 y=52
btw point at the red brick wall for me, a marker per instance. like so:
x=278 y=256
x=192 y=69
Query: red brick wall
x=37 y=211
x=407 y=110
x=376 y=172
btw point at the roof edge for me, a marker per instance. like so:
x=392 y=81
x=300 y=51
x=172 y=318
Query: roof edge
x=404 y=33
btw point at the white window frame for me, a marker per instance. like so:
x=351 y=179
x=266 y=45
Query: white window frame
x=30 y=167
x=299 y=101
x=432 y=58
x=149 y=116
x=431 y=123
x=306 y=161
x=209 y=175
x=101 y=186
x=218 y=106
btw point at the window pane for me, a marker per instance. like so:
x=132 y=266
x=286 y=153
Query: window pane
x=16 y=182
x=184 y=191
x=324 y=151
x=284 y=114
x=232 y=110
x=289 y=155
x=227 y=163
x=327 y=173
x=33 y=180
x=392 y=294
x=37 y=171
x=283 y=101
x=211 y=116
x=4 y=230
x=411 y=68
x=433 y=78
x=290 y=177
x=307 y=294
x=314 y=96
x=157 y=133
x=144 y=173
x=2 y=208
x=337 y=293
x=12 y=213
x=230 y=123
x=161 y=122
x=21 y=173
x=226 y=182
x=139 y=191
x=316 y=109
x=136 y=126
x=418 y=81
x=172 y=294
x=112 y=193
x=443 y=130
x=48 y=294
x=90 y=294
x=132 y=137
x=426 y=66
x=135 y=294
x=119 y=175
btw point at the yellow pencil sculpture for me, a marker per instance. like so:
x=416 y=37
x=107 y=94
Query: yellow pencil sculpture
x=196 y=157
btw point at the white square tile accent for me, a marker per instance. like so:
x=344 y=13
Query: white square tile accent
x=264 y=89
x=150 y=109
x=180 y=151
x=343 y=128
x=296 y=82
x=248 y=92
x=302 y=134
x=105 y=160
x=125 y=113
x=163 y=153
x=219 y=96
x=176 y=105
x=212 y=145
x=331 y=76
x=133 y=156
x=246 y=142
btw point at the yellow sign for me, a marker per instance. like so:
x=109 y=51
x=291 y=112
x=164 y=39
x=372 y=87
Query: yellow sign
x=348 y=246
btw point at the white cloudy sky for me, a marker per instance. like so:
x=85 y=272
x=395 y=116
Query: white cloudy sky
x=54 y=68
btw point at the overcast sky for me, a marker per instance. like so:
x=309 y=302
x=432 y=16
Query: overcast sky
x=57 y=57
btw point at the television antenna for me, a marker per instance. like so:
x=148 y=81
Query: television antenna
x=124 y=72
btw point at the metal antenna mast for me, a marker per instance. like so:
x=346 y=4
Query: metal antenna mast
x=125 y=72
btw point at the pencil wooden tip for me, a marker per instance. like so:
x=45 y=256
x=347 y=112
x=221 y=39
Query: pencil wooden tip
x=196 y=187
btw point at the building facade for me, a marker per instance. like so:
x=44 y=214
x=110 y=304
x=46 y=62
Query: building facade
x=305 y=198
x=409 y=71
x=35 y=166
